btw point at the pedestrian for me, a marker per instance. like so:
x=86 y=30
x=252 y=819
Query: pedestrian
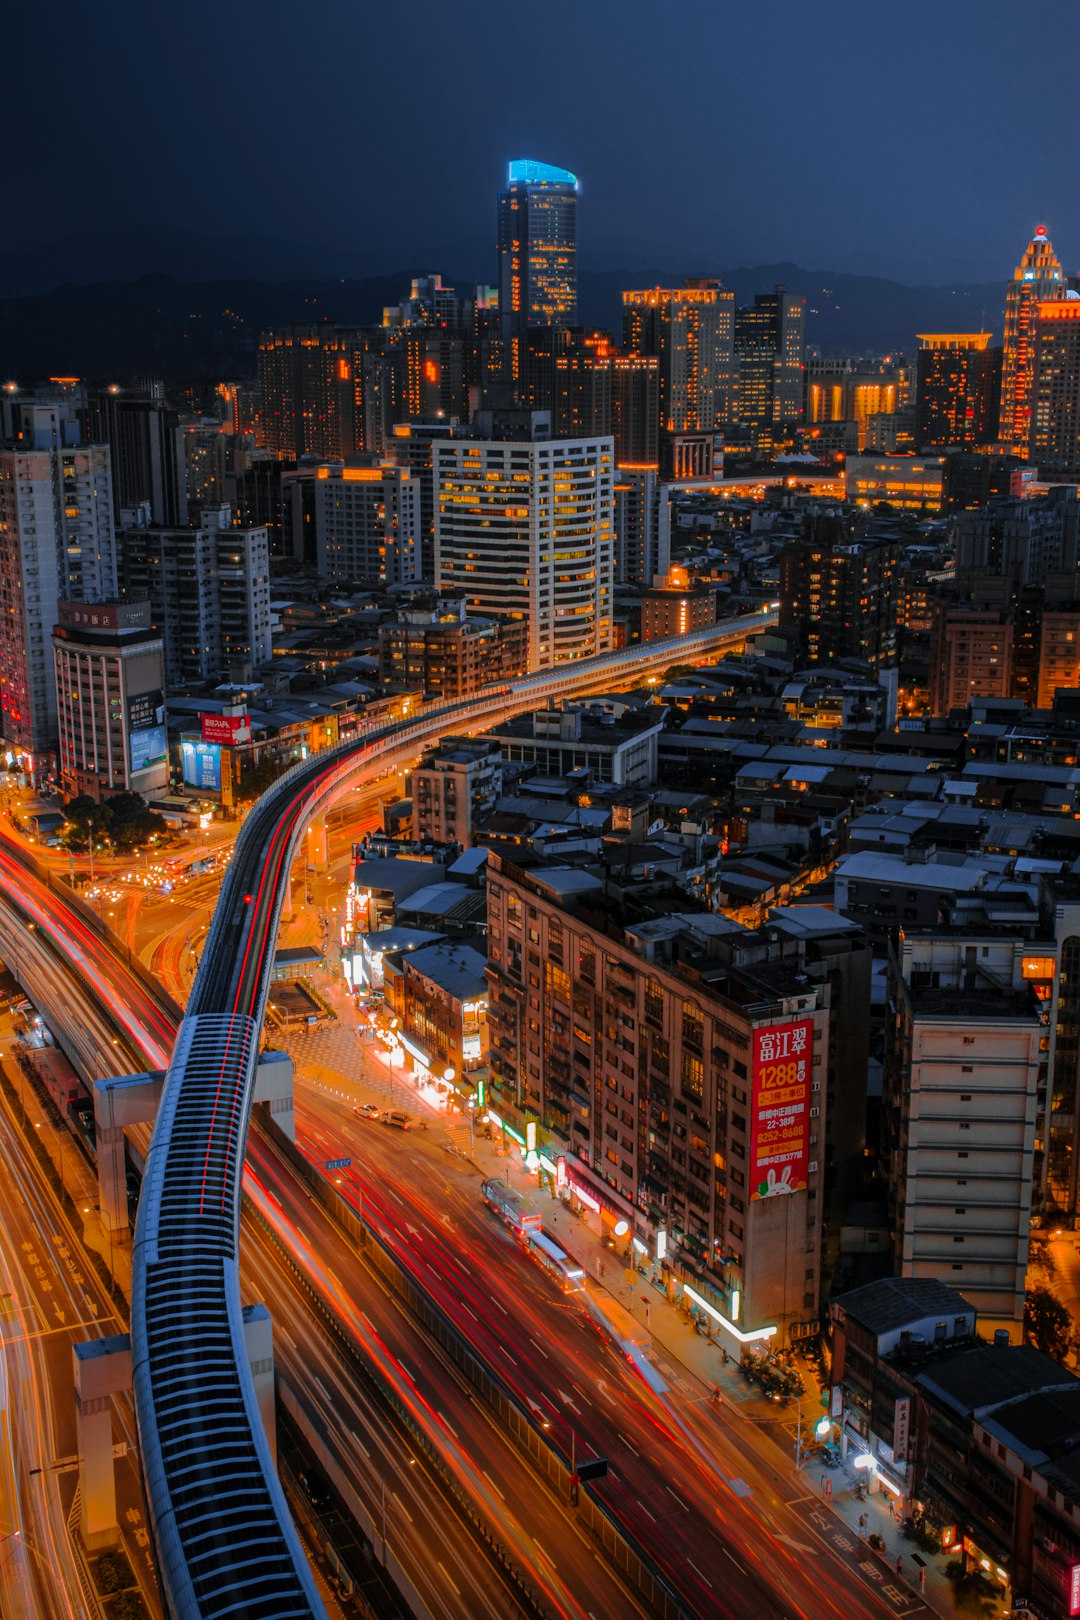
x=899 y=1564
x=922 y=1580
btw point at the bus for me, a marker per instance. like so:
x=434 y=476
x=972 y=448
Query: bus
x=555 y=1261
x=510 y=1206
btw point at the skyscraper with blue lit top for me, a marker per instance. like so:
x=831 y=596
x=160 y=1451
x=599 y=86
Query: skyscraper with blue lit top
x=537 y=252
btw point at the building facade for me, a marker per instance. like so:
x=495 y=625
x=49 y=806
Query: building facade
x=147 y=452
x=56 y=542
x=840 y=589
x=1038 y=278
x=971 y=655
x=957 y=389
x=1055 y=389
x=657 y=1082
x=453 y=787
x=367 y=525
x=690 y=331
x=209 y=593
x=525 y=528
x=770 y=349
x=964 y=1067
x=110 y=675
x=537 y=241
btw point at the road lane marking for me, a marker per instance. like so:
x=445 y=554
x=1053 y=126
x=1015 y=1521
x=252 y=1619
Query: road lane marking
x=450 y=1426
x=626 y=1443
x=678 y=1499
x=734 y=1560
x=544 y=1554
x=442 y=1566
x=402 y=1506
x=697 y=1572
x=493 y=1485
x=540 y=1347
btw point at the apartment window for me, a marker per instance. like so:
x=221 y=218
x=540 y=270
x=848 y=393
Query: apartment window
x=693 y=1027
x=654 y=999
x=693 y=1075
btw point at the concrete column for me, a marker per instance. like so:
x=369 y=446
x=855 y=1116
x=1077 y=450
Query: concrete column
x=102 y=1370
x=318 y=846
x=259 y=1342
x=274 y=1087
x=128 y=1099
x=287 y=912
x=112 y=1179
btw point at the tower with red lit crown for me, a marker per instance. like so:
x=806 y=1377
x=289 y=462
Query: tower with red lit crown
x=1038 y=278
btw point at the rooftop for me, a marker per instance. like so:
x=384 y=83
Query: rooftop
x=893 y=1302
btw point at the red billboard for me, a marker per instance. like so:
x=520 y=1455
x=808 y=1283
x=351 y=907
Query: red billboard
x=780 y=1108
x=225 y=728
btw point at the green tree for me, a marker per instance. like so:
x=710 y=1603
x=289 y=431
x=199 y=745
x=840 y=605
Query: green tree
x=133 y=824
x=1047 y=1323
x=84 y=819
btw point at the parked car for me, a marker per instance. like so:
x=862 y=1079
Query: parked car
x=368 y=1111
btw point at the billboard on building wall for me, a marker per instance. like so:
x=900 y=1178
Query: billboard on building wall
x=225 y=728
x=202 y=765
x=147 y=739
x=780 y=1108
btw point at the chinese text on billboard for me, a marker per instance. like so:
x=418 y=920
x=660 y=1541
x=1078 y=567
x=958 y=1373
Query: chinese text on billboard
x=780 y=1108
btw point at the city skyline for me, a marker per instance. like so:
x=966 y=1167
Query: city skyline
x=731 y=177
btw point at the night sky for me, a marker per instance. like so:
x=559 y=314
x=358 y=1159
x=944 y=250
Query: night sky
x=922 y=139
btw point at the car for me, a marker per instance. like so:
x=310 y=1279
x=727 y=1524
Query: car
x=368 y=1111
x=400 y=1121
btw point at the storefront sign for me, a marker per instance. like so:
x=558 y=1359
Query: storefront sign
x=780 y=1108
x=901 y=1424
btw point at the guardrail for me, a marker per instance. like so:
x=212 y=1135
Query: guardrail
x=221 y=1525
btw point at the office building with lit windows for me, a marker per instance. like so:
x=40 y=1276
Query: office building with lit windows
x=635 y=408
x=1055 y=389
x=770 y=349
x=1037 y=279
x=690 y=331
x=848 y=391
x=537 y=252
x=525 y=528
x=956 y=390
x=840 y=588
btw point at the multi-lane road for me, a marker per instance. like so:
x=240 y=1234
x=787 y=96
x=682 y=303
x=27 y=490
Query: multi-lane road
x=708 y=1504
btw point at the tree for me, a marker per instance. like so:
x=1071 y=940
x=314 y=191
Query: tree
x=1047 y=1323
x=85 y=819
x=132 y=823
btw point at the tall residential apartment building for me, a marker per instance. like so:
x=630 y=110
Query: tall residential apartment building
x=635 y=408
x=568 y=372
x=453 y=787
x=971 y=655
x=687 y=1096
x=1055 y=389
x=964 y=1067
x=770 y=351
x=110 y=676
x=840 y=588
x=690 y=330
x=537 y=243
x=208 y=590
x=56 y=542
x=1038 y=278
x=957 y=388
x=367 y=525
x=325 y=391
x=642 y=526
x=525 y=528
x=146 y=442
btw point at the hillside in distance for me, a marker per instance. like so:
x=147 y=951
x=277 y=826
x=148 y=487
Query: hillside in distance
x=157 y=325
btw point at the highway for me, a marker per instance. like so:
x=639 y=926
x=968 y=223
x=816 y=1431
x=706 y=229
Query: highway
x=517 y=1509
x=508 y=1309
x=702 y=1489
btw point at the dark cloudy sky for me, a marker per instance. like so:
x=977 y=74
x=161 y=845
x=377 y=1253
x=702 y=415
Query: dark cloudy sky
x=919 y=138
